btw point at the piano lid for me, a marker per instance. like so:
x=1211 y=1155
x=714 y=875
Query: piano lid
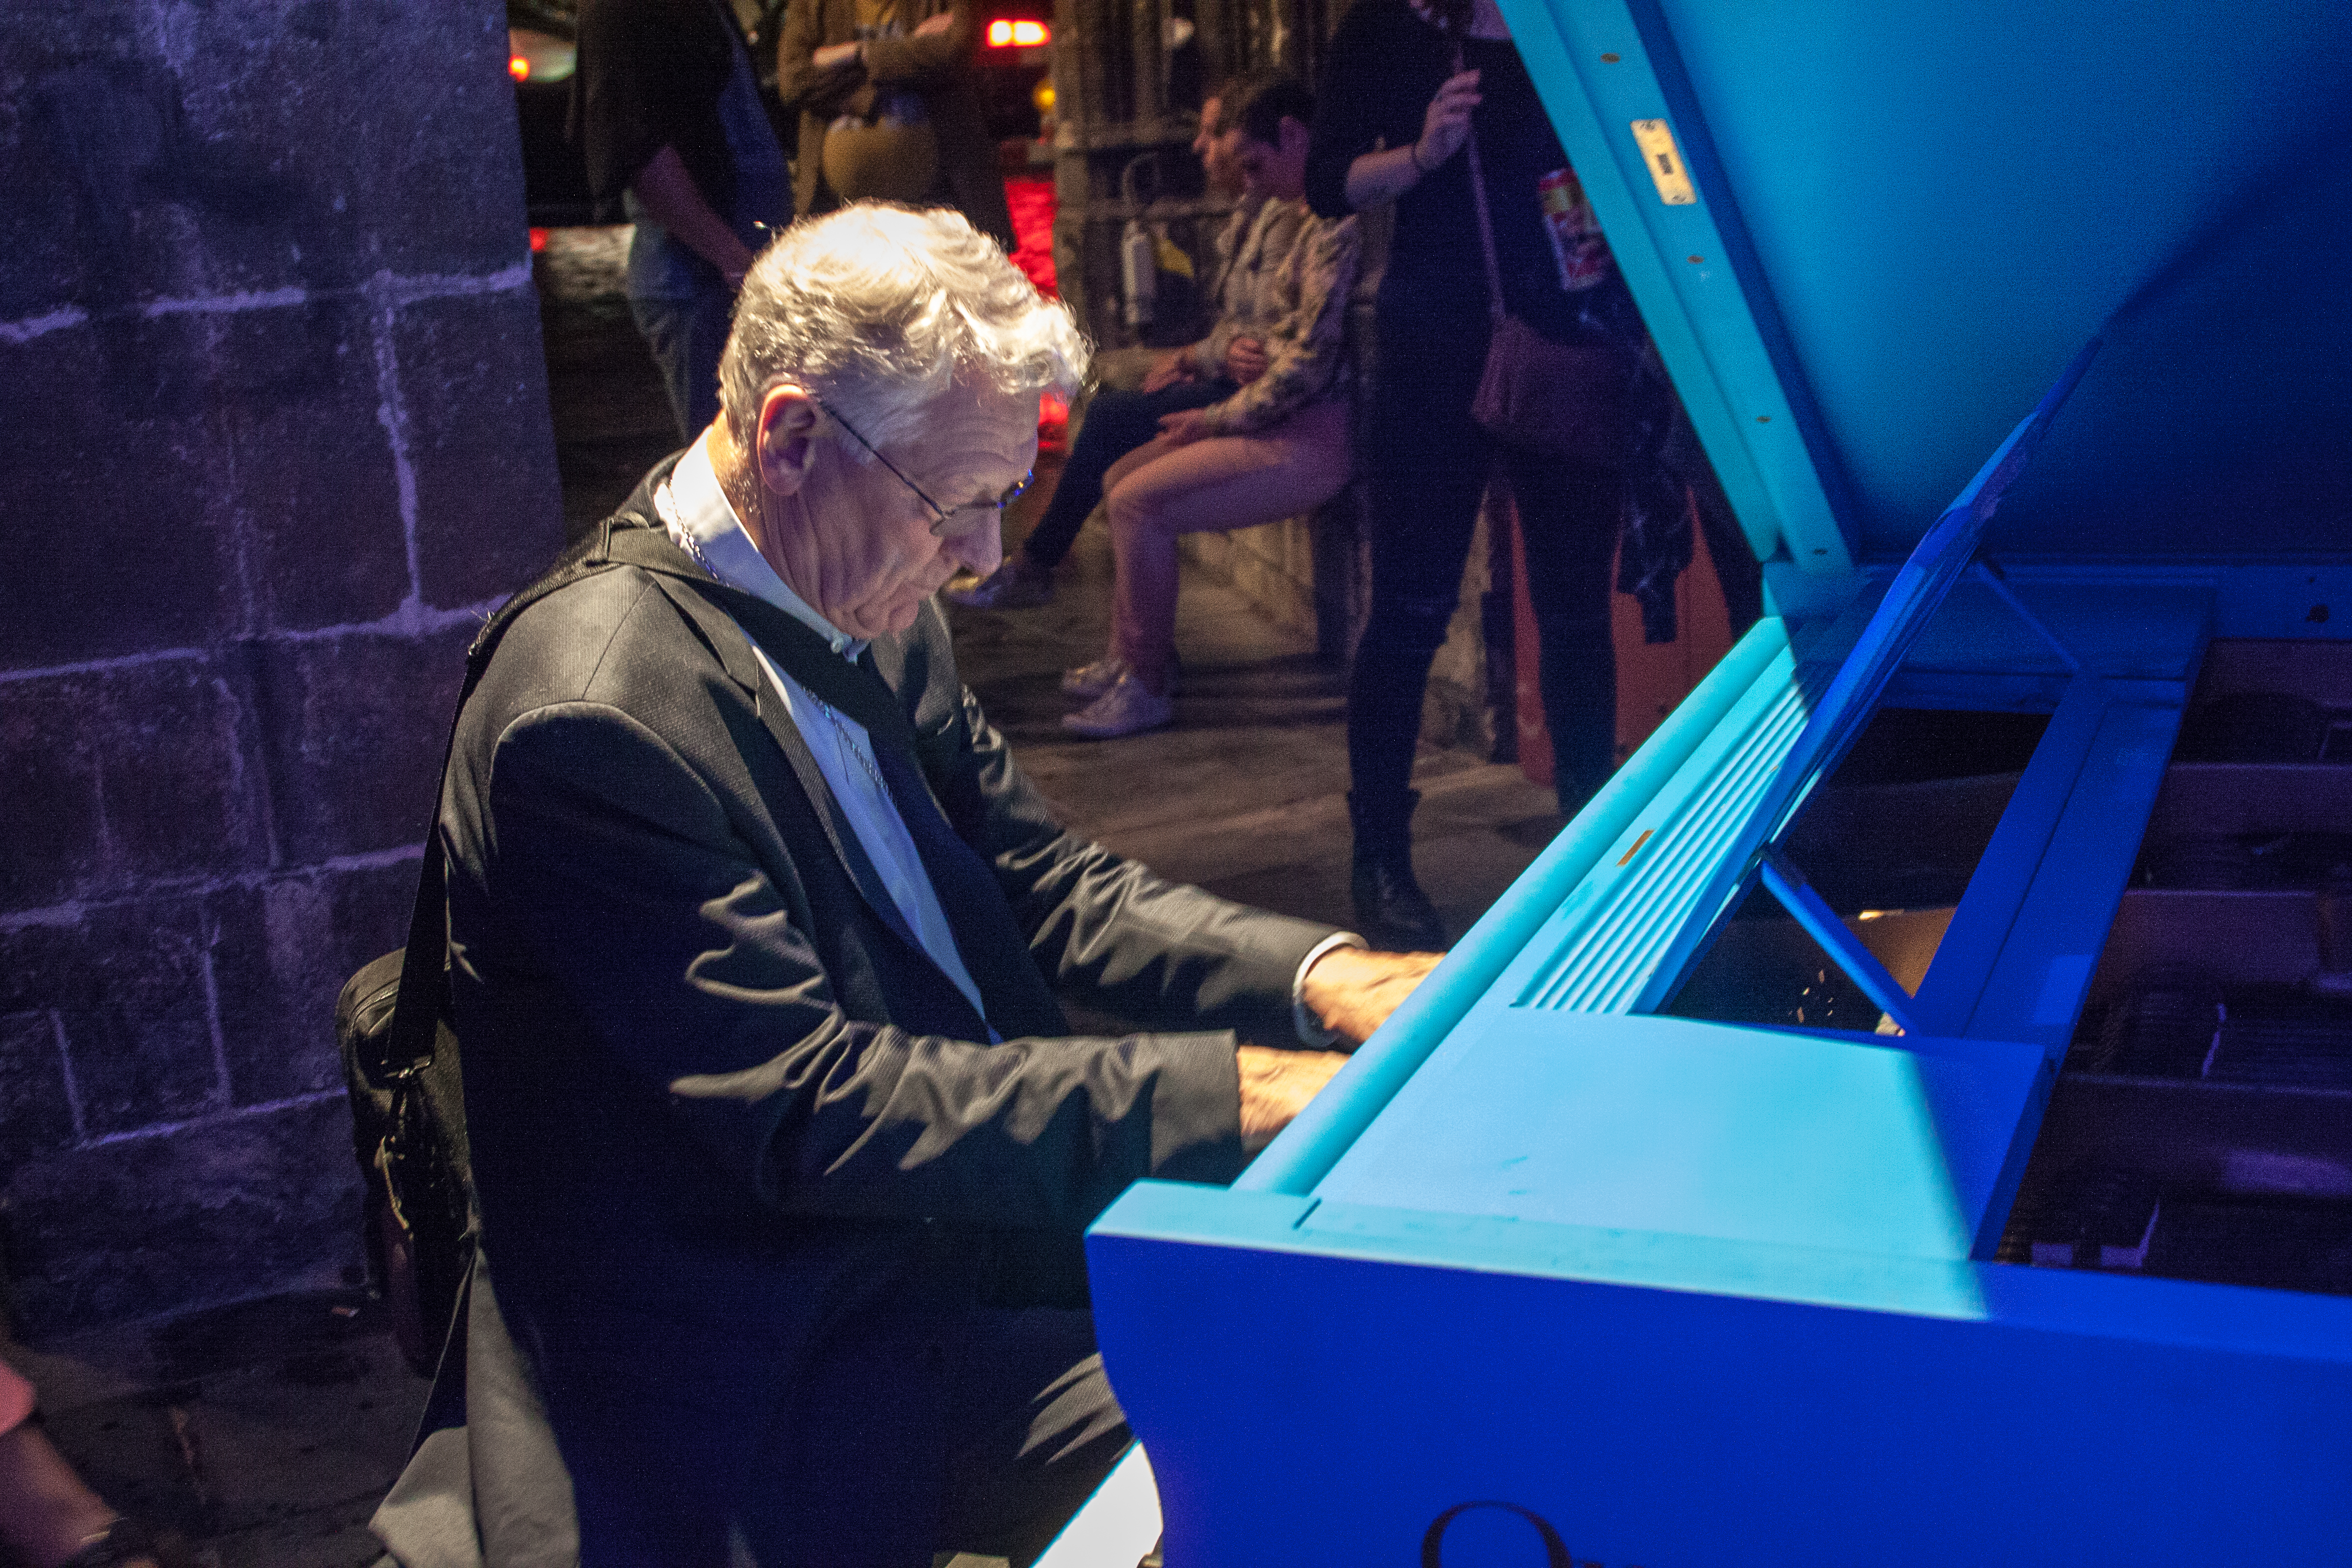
x=1864 y=234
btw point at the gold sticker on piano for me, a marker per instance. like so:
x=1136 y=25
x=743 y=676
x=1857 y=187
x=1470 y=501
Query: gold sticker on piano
x=1665 y=160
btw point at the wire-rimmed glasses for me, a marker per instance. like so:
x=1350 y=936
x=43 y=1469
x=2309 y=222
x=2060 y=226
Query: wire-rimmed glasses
x=947 y=520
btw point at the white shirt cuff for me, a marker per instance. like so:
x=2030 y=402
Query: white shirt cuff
x=1311 y=1031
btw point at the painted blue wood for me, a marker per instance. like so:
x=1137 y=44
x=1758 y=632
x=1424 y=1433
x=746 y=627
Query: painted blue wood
x=1675 y=1126
x=1298 y=1159
x=1318 y=1383
x=1604 y=945
x=1698 y=1293
x=1937 y=204
x=2037 y=985
x=1949 y=993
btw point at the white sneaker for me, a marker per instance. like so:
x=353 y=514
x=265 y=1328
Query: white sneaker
x=1126 y=708
x=1094 y=680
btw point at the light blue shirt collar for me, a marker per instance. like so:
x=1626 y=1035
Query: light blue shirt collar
x=691 y=502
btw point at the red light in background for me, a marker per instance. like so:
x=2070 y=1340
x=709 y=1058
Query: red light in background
x=1032 y=203
x=1053 y=423
x=1022 y=34
x=538 y=240
x=519 y=68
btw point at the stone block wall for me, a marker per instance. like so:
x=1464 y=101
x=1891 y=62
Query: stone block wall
x=274 y=440
x=1272 y=565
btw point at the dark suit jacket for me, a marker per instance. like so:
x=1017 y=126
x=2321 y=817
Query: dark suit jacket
x=729 y=1122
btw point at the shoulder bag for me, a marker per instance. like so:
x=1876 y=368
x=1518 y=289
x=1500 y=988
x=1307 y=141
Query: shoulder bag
x=1560 y=400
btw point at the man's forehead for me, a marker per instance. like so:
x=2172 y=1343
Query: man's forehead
x=974 y=433
x=972 y=396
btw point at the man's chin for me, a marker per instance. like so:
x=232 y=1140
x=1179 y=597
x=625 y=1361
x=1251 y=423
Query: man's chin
x=882 y=621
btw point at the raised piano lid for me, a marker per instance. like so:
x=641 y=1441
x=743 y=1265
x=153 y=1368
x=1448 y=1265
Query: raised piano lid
x=1938 y=1213
x=1674 y=1126
x=1902 y=219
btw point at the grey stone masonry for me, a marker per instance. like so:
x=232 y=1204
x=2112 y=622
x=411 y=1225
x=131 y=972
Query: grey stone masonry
x=273 y=440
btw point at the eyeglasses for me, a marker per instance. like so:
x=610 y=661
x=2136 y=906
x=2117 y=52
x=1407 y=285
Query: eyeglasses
x=947 y=521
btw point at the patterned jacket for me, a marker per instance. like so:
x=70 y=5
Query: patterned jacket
x=1286 y=286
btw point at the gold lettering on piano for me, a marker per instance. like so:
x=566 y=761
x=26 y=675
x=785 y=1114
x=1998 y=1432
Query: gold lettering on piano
x=1628 y=859
x=1664 y=162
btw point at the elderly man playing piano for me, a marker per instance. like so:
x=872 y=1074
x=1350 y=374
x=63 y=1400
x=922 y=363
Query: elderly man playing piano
x=782 y=1141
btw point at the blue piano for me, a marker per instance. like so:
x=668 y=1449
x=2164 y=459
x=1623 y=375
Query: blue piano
x=1906 y=1118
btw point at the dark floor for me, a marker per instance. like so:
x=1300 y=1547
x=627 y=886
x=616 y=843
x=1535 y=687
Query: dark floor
x=268 y=1432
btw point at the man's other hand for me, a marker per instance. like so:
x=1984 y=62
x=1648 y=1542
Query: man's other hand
x=1183 y=427
x=1353 y=992
x=1277 y=1085
x=932 y=25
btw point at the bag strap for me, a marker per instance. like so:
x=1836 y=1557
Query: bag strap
x=423 y=995
x=855 y=689
x=1494 y=311
x=622 y=540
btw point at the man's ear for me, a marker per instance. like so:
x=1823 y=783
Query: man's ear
x=1295 y=134
x=784 y=445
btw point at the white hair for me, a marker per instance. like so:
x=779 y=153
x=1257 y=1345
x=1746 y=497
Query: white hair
x=877 y=308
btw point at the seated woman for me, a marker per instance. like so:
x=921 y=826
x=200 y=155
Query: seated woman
x=1274 y=446
x=1119 y=420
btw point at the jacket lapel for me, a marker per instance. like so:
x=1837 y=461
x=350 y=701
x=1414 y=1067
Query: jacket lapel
x=734 y=650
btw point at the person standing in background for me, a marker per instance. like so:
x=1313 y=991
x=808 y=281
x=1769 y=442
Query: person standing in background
x=1405 y=84
x=886 y=107
x=666 y=109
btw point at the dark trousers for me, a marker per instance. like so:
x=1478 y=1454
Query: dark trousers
x=982 y=1432
x=1426 y=465
x=1116 y=424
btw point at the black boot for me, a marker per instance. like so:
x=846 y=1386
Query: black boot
x=1390 y=905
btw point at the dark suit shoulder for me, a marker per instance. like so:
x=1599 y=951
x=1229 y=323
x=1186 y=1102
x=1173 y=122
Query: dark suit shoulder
x=611 y=649
x=604 y=638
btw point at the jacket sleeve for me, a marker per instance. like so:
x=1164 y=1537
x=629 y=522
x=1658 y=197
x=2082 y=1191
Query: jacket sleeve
x=1209 y=353
x=614 y=869
x=923 y=62
x=800 y=84
x=1166 y=954
x=1307 y=345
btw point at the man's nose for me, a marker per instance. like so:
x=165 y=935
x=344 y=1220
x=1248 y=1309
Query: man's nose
x=982 y=549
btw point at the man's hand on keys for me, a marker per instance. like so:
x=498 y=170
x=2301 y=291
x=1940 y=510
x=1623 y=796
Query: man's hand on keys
x=1353 y=991
x=1277 y=1085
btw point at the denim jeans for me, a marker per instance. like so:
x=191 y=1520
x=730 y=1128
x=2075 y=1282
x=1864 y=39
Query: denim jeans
x=686 y=335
